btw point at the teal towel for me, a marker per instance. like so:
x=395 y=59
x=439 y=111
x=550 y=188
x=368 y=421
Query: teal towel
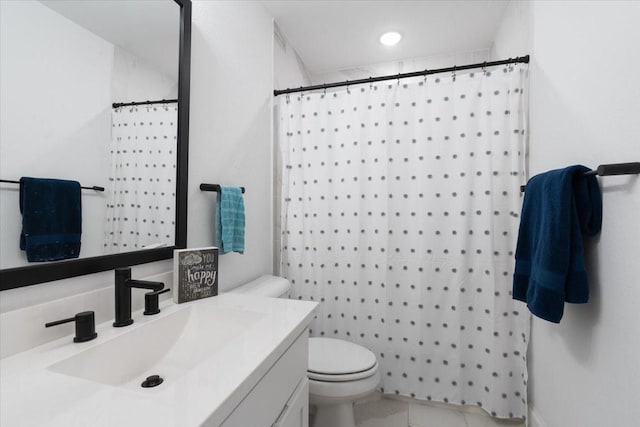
x=230 y=220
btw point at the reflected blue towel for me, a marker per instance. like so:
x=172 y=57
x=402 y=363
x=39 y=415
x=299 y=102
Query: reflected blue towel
x=559 y=206
x=51 y=219
x=230 y=220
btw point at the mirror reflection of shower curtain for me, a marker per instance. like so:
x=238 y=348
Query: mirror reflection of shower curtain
x=142 y=193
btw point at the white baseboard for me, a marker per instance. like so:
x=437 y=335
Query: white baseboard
x=534 y=418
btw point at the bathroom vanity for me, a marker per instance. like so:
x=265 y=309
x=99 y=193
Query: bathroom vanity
x=230 y=360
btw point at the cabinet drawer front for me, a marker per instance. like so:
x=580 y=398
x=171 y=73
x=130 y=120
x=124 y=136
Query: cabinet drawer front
x=296 y=412
x=265 y=403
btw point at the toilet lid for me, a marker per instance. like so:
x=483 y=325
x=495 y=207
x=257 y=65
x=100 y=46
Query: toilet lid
x=329 y=356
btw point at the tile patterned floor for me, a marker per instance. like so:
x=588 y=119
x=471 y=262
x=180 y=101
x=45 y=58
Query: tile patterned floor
x=380 y=411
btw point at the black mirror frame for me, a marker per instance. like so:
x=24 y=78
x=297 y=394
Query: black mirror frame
x=17 y=277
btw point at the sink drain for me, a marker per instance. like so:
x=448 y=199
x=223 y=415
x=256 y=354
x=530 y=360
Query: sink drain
x=152 y=381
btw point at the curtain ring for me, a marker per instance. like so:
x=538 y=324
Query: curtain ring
x=453 y=74
x=324 y=92
x=484 y=68
x=398 y=79
x=370 y=83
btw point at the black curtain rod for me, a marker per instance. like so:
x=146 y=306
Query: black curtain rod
x=130 y=104
x=608 y=170
x=520 y=59
x=94 y=188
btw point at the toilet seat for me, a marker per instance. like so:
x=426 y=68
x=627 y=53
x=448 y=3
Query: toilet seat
x=334 y=360
x=317 y=376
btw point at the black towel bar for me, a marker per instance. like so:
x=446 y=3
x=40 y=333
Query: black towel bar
x=94 y=188
x=608 y=170
x=213 y=187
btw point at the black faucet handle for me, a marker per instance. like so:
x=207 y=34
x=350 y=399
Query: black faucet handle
x=152 y=302
x=85 y=325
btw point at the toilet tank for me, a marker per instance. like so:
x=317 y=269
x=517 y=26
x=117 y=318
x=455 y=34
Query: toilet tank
x=266 y=286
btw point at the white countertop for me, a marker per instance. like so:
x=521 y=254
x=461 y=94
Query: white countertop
x=31 y=394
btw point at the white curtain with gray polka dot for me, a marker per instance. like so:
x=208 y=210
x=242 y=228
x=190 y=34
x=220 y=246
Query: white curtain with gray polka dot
x=142 y=191
x=400 y=214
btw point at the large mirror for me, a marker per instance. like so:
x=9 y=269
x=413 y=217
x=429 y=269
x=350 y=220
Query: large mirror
x=95 y=92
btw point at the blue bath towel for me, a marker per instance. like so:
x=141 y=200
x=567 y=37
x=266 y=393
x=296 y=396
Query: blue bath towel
x=51 y=219
x=230 y=220
x=559 y=206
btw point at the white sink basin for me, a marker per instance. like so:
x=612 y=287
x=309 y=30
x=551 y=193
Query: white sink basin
x=168 y=346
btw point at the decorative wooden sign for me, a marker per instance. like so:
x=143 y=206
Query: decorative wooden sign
x=195 y=274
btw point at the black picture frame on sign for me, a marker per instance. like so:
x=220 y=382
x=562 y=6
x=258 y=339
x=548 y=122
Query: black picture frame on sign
x=11 y=278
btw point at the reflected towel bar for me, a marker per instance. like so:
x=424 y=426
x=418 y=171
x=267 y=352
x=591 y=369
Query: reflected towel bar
x=612 y=169
x=94 y=188
x=214 y=187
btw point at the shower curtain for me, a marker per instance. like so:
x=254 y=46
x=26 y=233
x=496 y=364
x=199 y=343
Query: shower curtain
x=400 y=215
x=142 y=186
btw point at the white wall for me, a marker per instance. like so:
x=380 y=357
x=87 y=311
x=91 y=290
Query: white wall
x=405 y=66
x=513 y=36
x=584 y=108
x=230 y=140
x=288 y=69
x=134 y=79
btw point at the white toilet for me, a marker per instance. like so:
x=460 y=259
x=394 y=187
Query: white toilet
x=339 y=372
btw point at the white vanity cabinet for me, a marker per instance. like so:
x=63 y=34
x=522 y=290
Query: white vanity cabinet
x=281 y=397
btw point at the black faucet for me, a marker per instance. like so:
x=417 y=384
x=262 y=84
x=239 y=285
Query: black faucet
x=85 y=325
x=152 y=303
x=123 y=286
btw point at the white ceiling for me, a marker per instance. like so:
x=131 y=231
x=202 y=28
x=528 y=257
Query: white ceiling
x=150 y=29
x=334 y=35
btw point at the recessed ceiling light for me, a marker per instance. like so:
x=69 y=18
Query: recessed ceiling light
x=391 y=38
